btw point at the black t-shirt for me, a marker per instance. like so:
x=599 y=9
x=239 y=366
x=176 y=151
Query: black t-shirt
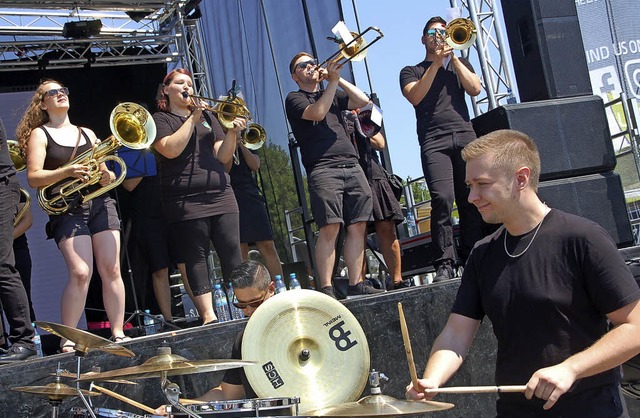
x=237 y=376
x=550 y=302
x=6 y=165
x=321 y=143
x=443 y=109
x=241 y=175
x=195 y=184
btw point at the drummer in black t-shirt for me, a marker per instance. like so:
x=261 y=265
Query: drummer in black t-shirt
x=338 y=188
x=436 y=88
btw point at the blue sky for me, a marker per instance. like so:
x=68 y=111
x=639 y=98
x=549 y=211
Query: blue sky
x=402 y=23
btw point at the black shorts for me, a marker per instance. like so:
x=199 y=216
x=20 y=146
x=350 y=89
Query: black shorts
x=385 y=205
x=339 y=195
x=157 y=245
x=255 y=225
x=97 y=215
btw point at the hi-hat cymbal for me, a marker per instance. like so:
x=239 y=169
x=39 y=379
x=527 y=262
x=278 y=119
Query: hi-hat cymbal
x=308 y=345
x=83 y=340
x=88 y=376
x=380 y=406
x=171 y=364
x=54 y=391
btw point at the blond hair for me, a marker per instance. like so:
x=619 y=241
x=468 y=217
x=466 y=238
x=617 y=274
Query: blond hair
x=34 y=116
x=511 y=149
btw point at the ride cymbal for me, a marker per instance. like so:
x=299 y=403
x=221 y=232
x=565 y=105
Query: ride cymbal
x=380 y=406
x=54 y=391
x=88 y=376
x=83 y=340
x=308 y=345
x=171 y=364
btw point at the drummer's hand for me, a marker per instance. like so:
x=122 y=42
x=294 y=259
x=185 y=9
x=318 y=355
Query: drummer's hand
x=161 y=410
x=419 y=395
x=550 y=383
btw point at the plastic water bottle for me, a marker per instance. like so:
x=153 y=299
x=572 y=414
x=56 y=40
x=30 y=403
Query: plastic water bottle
x=221 y=305
x=158 y=320
x=293 y=282
x=511 y=99
x=37 y=341
x=236 y=313
x=149 y=323
x=280 y=287
x=411 y=224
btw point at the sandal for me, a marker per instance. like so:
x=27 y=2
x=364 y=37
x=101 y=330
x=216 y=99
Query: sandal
x=68 y=347
x=122 y=339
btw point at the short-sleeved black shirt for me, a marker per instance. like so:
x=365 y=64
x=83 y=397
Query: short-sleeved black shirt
x=443 y=109
x=551 y=302
x=238 y=376
x=321 y=143
x=195 y=184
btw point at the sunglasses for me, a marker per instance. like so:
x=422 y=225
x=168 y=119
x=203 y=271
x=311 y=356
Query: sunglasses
x=55 y=92
x=303 y=65
x=254 y=304
x=432 y=32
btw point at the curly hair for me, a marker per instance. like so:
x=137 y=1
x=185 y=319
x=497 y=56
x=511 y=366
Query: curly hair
x=34 y=116
x=163 y=99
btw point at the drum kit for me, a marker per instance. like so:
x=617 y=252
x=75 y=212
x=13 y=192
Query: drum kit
x=309 y=357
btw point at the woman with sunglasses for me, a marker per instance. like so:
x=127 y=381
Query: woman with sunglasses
x=196 y=193
x=51 y=142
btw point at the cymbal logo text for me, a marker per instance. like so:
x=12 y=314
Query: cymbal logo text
x=341 y=337
x=272 y=374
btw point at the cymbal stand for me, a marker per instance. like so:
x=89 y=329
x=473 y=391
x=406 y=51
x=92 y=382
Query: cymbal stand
x=172 y=393
x=87 y=403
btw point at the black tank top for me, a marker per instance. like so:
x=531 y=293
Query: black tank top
x=57 y=154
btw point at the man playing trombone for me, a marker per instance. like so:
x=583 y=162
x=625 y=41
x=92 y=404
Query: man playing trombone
x=436 y=88
x=338 y=188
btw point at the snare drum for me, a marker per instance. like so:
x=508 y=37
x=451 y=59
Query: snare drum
x=261 y=407
x=106 y=413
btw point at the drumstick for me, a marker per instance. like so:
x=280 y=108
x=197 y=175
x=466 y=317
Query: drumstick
x=124 y=399
x=191 y=401
x=407 y=348
x=478 y=389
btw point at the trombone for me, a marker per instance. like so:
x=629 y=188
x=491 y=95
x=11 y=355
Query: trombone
x=460 y=33
x=227 y=109
x=354 y=50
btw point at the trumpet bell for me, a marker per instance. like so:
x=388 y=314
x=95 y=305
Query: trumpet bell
x=254 y=136
x=17 y=156
x=460 y=33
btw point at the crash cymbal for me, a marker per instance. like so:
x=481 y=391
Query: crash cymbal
x=83 y=340
x=172 y=364
x=308 y=345
x=88 y=376
x=380 y=406
x=54 y=391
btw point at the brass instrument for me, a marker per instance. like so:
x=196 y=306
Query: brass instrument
x=131 y=126
x=460 y=33
x=227 y=109
x=356 y=50
x=20 y=163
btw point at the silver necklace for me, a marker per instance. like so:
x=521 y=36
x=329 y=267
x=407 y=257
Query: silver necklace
x=528 y=245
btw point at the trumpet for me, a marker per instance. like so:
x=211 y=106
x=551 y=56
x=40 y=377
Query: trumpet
x=229 y=108
x=131 y=126
x=460 y=33
x=20 y=163
x=356 y=50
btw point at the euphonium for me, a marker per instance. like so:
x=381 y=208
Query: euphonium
x=131 y=126
x=20 y=163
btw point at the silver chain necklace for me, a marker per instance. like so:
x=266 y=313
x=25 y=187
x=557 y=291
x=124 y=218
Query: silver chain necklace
x=528 y=245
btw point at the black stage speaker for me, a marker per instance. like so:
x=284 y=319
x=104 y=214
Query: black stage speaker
x=598 y=197
x=572 y=134
x=546 y=49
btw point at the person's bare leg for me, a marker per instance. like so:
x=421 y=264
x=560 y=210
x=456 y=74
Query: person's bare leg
x=354 y=251
x=106 y=247
x=326 y=253
x=270 y=255
x=162 y=290
x=390 y=248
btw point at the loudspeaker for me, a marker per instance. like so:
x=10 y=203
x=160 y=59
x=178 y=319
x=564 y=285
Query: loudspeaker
x=546 y=49
x=598 y=197
x=82 y=29
x=572 y=134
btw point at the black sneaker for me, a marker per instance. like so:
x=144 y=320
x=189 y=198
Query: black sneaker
x=17 y=353
x=444 y=272
x=402 y=285
x=363 y=289
x=328 y=290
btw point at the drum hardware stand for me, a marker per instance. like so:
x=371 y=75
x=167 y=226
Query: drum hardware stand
x=172 y=393
x=137 y=313
x=85 y=401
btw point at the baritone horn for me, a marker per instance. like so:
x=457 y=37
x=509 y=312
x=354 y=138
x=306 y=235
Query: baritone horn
x=355 y=50
x=460 y=33
x=131 y=126
x=20 y=163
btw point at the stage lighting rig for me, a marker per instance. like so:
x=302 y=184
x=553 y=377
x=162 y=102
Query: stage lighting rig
x=82 y=29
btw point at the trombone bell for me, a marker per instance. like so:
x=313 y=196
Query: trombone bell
x=17 y=156
x=254 y=136
x=460 y=33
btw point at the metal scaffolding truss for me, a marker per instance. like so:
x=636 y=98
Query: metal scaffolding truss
x=133 y=32
x=490 y=46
